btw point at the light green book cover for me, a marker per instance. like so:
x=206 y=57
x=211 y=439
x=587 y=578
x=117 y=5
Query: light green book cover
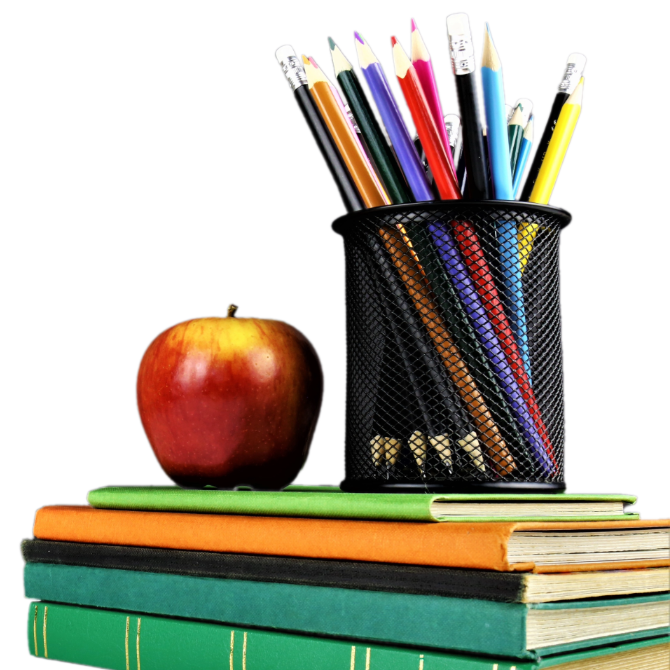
x=130 y=641
x=330 y=502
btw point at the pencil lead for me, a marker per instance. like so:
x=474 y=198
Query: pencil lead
x=528 y=130
x=490 y=58
x=340 y=62
x=394 y=40
x=305 y=60
x=400 y=59
x=313 y=62
x=365 y=55
x=413 y=25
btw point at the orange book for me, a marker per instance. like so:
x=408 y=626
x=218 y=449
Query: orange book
x=537 y=547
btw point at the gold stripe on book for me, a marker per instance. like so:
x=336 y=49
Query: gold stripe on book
x=44 y=631
x=127 y=634
x=244 y=652
x=232 y=648
x=137 y=642
x=352 y=665
x=368 y=651
x=37 y=651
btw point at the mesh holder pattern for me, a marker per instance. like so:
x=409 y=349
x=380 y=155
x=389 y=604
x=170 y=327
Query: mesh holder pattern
x=454 y=362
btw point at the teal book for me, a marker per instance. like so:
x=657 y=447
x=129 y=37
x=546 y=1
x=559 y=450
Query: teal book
x=512 y=630
x=330 y=502
x=132 y=641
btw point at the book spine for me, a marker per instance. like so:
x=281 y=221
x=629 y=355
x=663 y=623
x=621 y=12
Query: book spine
x=134 y=641
x=455 y=624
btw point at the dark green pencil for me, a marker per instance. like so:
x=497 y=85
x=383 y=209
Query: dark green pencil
x=381 y=154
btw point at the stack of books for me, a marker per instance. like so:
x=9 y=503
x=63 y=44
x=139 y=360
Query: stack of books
x=176 y=579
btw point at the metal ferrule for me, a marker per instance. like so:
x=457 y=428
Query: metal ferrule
x=462 y=54
x=294 y=72
x=571 y=78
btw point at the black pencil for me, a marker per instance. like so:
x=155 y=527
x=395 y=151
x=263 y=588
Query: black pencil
x=463 y=64
x=297 y=79
x=573 y=73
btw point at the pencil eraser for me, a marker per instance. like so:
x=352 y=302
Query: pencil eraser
x=284 y=53
x=578 y=60
x=458 y=24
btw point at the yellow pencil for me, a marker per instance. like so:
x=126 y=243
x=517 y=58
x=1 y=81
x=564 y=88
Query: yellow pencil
x=551 y=166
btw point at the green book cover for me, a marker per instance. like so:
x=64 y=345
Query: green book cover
x=131 y=641
x=330 y=502
x=456 y=624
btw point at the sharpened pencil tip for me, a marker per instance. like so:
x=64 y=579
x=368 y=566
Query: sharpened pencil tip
x=394 y=40
x=359 y=38
x=305 y=60
x=414 y=25
x=331 y=43
x=313 y=62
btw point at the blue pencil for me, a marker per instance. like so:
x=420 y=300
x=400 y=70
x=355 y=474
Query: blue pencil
x=393 y=122
x=470 y=299
x=524 y=153
x=501 y=176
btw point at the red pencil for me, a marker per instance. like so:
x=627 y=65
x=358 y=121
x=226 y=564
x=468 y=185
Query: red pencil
x=424 y=121
x=473 y=256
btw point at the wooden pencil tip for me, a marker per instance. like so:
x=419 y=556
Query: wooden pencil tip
x=394 y=40
x=359 y=38
x=400 y=59
x=413 y=25
x=490 y=58
x=305 y=60
x=331 y=43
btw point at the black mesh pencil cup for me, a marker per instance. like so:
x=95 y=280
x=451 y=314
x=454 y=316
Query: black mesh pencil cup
x=454 y=362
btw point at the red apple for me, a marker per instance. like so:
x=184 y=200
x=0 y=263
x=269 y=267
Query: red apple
x=230 y=402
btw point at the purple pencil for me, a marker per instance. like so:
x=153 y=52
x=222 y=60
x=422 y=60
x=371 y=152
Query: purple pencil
x=393 y=122
x=487 y=336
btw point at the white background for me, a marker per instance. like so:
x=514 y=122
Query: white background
x=154 y=167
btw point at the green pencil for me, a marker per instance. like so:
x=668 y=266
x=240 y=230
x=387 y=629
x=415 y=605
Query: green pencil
x=381 y=153
x=515 y=129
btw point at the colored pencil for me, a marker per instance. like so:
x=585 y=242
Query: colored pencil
x=436 y=153
x=297 y=79
x=496 y=120
x=487 y=336
x=463 y=66
x=419 y=290
x=423 y=66
x=393 y=122
x=551 y=166
x=573 y=72
x=515 y=127
x=345 y=138
x=389 y=170
x=524 y=153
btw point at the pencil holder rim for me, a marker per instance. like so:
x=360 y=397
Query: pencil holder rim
x=342 y=224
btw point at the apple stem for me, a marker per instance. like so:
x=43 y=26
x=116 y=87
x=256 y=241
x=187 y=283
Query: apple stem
x=231 y=310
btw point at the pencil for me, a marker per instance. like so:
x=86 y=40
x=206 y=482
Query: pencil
x=480 y=317
x=573 y=73
x=455 y=135
x=297 y=79
x=524 y=153
x=558 y=147
x=516 y=125
x=436 y=153
x=412 y=276
x=381 y=153
x=345 y=138
x=463 y=66
x=496 y=120
x=551 y=166
x=393 y=122
x=423 y=66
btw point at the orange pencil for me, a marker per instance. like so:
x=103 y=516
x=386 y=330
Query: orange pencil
x=436 y=152
x=348 y=144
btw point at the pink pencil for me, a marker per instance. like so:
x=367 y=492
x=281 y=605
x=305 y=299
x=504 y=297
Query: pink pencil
x=424 y=69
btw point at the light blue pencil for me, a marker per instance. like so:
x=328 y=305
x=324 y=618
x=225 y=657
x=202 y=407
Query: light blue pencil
x=524 y=153
x=501 y=177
